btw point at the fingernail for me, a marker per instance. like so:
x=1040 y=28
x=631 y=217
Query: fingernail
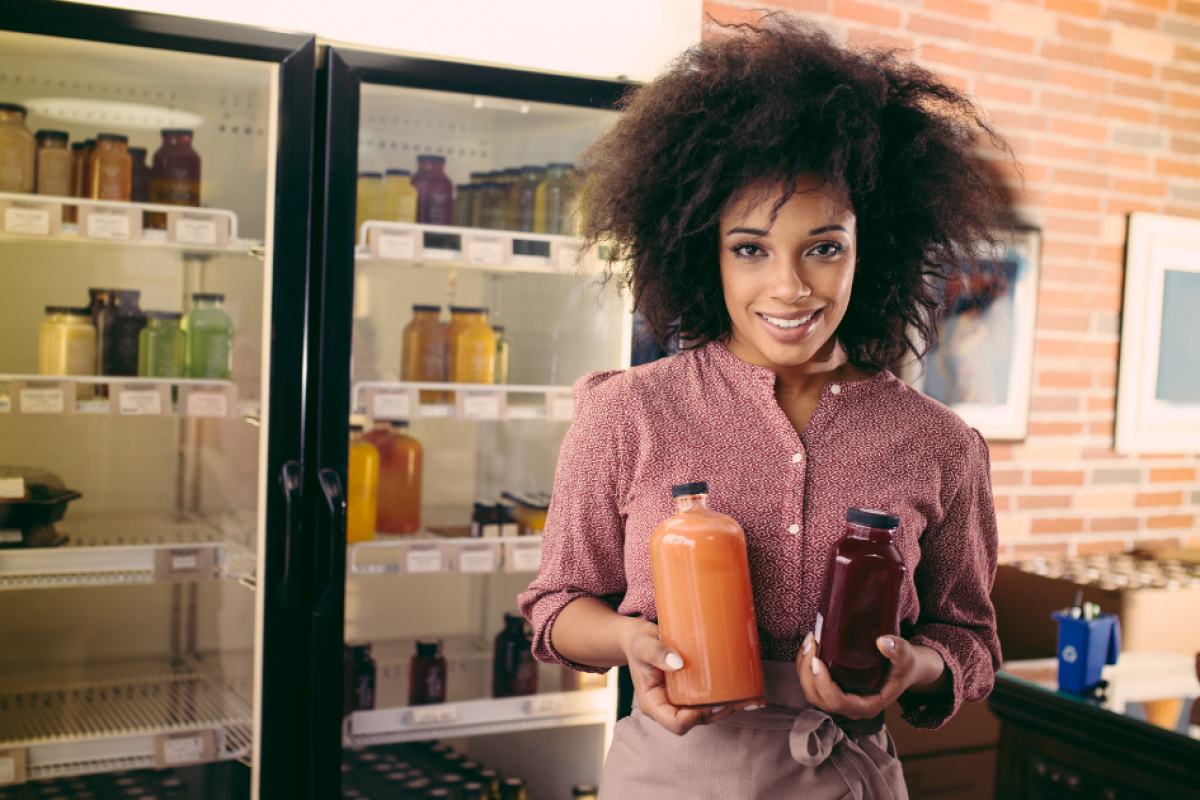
x=816 y=666
x=889 y=643
x=718 y=709
x=674 y=662
x=808 y=640
x=752 y=707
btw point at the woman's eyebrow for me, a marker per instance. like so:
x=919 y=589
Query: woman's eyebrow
x=827 y=229
x=751 y=231
x=762 y=232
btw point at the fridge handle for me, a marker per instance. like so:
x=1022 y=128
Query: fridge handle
x=331 y=485
x=291 y=479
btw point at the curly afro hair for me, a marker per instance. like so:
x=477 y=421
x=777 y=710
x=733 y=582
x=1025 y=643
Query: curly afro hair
x=777 y=102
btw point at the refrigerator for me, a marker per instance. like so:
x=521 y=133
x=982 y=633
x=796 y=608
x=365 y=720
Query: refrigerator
x=155 y=594
x=497 y=267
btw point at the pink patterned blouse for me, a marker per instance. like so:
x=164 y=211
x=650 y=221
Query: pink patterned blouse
x=706 y=415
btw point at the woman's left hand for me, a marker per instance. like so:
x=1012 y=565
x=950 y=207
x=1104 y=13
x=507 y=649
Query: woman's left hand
x=914 y=667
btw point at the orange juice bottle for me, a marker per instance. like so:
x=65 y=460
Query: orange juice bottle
x=400 y=458
x=705 y=603
x=362 y=488
x=473 y=349
x=423 y=355
x=112 y=168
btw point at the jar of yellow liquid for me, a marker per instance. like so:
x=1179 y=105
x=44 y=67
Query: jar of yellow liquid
x=363 y=488
x=423 y=354
x=555 y=199
x=67 y=345
x=472 y=347
x=399 y=197
x=369 y=199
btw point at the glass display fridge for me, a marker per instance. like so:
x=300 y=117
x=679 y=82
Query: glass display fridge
x=155 y=620
x=454 y=312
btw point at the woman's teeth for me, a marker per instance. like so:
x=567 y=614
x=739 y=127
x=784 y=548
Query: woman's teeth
x=787 y=323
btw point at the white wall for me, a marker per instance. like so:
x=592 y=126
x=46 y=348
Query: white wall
x=632 y=38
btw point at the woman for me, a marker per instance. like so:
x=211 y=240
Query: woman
x=784 y=206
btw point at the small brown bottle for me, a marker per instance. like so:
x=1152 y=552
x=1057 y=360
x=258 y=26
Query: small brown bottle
x=514 y=670
x=359 y=677
x=427 y=674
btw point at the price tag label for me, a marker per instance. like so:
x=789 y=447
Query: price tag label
x=184 y=564
x=560 y=405
x=42 y=397
x=477 y=558
x=183 y=748
x=12 y=766
x=486 y=249
x=422 y=558
x=433 y=715
x=545 y=706
x=31 y=218
x=139 y=399
x=395 y=243
x=12 y=488
x=198 y=228
x=522 y=556
x=480 y=404
x=392 y=403
x=208 y=400
x=110 y=224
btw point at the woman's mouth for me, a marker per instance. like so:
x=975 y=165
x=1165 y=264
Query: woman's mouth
x=791 y=328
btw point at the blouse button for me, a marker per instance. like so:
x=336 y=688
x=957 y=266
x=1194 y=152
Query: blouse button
x=796 y=459
x=835 y=389
x=793 y=529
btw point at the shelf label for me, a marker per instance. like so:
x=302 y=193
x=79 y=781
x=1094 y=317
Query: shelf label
x=397 y=243
x=197 y=228
x=420 y=558
x=12 y=766
x=531 y=251
x=485 y=250
x=31 y=218
x=433 y=715
x=42 y=397
x=392 y=403
x=480 y=404
x=477 y=558
x=12 y=488
x=11 y=536
x=208 y=400
x=560 y=405
x=522 y=556
x=110 y=224
x=180 y=749
x=139 y=399
x=184 y=564
x=441 y=246
x=545 y=705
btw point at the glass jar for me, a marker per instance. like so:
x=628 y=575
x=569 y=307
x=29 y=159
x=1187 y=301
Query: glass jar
x=119 y=330
x=139 y=190
x=399 y=196
x=424 y=351
x=555 y=200
x=362 y=488
x=427 y=674
x=18 y=150
x=527 y=188
x=472 y=347
x=174 y=175
x=208 y=342
x=67 y=344
x=488 y=206
x=435 y=192
x=53 y=163
x=514 y=670
x=368 y=200
x=161 y=346
x=398 y=505
x=112 y=168
x=464 y=193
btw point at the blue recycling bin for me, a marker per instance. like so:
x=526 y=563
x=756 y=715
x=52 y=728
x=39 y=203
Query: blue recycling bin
x=1085 y=646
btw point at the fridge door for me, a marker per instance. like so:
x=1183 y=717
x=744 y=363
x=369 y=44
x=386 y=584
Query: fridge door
x=440 y=563
x=152 y=606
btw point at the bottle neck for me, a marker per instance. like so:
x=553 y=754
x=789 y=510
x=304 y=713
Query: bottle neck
x=177 y=141
x=880 y=535
x=691 y=502
x=203 y=304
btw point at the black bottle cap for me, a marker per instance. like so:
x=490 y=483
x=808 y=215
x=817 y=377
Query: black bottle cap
x=561 y=165
x=427 y=308
x=167 y=315
x=175 y=132
x=112 y=137
x=371 y=175
x=137 y=152
x=78 y=145
x=80 y=312
x=428 y=648
x=60 y=135
x=431 y=159
x=400 y=172
x=583 y=790
x=361 y=649
x=122 y=297
x=218 y=297
x=13 y=107
x=685 y=489
x=871 y=518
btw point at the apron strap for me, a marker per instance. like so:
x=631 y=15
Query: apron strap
x=815 y=738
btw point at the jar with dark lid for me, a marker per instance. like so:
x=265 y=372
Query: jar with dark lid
x=18 y=150
x=584 y=792
x=427 y=674
x=514 y=671
x=53 y=163
x=139 y=191
x=119 y=333
x=513 y=789
x=174 y=174
x=112 y=168
x=160 y=346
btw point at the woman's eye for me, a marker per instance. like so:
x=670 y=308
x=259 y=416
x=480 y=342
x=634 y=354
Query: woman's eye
x=747 y=251
x=827 y=250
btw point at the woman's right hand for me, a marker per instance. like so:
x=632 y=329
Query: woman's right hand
x=649 y=662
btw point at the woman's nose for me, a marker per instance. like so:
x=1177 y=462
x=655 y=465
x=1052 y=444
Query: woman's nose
x=789 y=284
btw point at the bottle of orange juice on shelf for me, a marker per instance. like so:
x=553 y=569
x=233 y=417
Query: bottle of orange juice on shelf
x=112 y=168
x=400 y=460
x=362 y=488
x=423 y=354
x=472 y=348
x=705 y=603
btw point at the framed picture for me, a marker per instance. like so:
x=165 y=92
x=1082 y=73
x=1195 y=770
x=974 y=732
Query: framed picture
x=1158 y=382
x=982 y=366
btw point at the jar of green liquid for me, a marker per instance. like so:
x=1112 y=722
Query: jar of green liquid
x=208 y=332
x=160 y=346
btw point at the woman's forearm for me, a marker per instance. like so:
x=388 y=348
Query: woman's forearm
x=588 y=631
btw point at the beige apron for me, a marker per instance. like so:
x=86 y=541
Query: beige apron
x=787 y=750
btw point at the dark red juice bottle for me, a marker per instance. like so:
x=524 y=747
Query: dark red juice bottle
x=514 y=669
x=862 y=601
x=427 y=674
x=175 y=175
x=435 y=192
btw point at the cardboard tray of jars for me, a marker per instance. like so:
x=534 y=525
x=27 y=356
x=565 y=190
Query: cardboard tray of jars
x=41 y=218
x=564 y=698
x=59 y=395
x=112 y=549
x=483 y=402
x=135 y=714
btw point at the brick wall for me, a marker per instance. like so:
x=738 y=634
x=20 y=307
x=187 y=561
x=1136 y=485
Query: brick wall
x=1101 y=102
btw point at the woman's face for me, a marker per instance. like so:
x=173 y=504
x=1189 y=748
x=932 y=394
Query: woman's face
x=787 y=282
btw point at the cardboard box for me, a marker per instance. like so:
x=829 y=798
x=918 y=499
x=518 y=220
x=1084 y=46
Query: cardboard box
x=973 y=726
x=953 y=776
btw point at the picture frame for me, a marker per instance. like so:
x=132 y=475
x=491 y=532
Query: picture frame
x=1158 y=379
x=982 y=366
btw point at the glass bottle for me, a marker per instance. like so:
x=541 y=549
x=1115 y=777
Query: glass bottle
x=513 y=789
x=705 y=603
x=514 y=671
x=18 y=150
x=464 y=193
x=67 y=345
x=427 y=674
x=112 y=168
x=399 y=197
x=174 y=175
x=510 y=178
x=489 y=205
x=358 y=690
x=118 y=333
x=362 y=491
x=161 y=346
x=424 y=350
x=584 y=792
x=368 y=200
x=435 y=192
x=527 y=187
x=554 y=199
x=400 y=462
x=53 y=163
x=139 y=191
x=501 y=354
x=862 y=601
x=89 y=154
x=473 y=348
x=208 y=338
x=78 y=170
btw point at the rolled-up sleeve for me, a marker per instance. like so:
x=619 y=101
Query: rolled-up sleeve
x=954 y=584
x=584 y=537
